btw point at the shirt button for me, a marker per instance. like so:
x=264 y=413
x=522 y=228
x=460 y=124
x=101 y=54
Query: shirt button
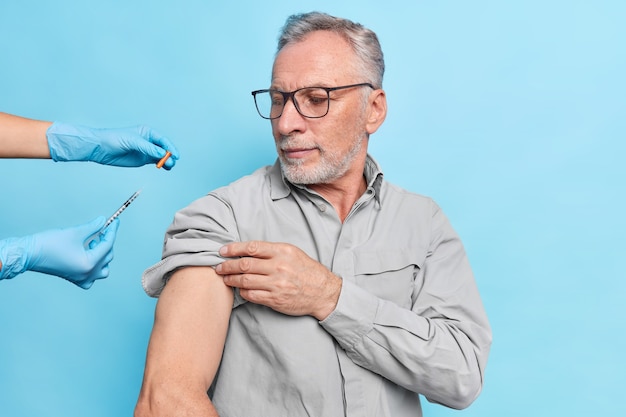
x=322 y=207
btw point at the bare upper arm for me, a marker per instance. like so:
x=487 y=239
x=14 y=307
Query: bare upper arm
x=188 y=336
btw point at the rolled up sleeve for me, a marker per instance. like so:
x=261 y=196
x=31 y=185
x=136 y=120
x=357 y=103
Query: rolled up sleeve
x=193 y=239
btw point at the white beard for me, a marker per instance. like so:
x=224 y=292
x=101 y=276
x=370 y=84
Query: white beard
x=331 y=167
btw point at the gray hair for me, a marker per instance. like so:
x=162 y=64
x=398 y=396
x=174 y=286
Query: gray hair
x=363 y=41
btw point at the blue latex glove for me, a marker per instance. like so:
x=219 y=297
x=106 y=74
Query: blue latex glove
x=126 y=147
x=62 y=252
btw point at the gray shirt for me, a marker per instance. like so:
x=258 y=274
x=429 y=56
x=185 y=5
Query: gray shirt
x=409 y=319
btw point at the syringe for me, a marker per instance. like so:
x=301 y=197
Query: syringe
x=120 y=210
x=111 y=219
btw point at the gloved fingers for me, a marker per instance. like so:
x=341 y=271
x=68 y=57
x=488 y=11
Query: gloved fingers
x=161 y=144
x=160 y=150
x=125 y=147
x=93 y=225
x=85 y=285
x=135 y=145
x=105 y=264
x=101 y=250
x=88 y=282
x=91 y=230
x=169 y=164
x=100 y=272
x=106 y=240
x=102 y=269
x=100 y=243
x=161 y=141
x=111 y=231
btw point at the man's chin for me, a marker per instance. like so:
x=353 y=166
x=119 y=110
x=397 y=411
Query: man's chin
x=297 y=175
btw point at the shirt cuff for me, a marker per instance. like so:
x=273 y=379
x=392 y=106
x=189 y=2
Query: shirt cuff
x=353 y=318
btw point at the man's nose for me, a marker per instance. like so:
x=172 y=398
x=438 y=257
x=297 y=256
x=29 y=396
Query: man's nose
x=290 y=120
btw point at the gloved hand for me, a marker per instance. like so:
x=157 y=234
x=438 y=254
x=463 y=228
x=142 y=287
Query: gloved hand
x=125 y=147
x=62 y=252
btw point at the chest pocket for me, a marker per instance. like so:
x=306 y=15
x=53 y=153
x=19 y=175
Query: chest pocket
x=389 y=275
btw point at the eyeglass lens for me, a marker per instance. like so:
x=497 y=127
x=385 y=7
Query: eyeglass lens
x=310 y=102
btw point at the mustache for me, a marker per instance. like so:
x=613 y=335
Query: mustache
x=293 y=142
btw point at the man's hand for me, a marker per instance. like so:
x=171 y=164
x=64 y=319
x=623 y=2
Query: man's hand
x=280 y=276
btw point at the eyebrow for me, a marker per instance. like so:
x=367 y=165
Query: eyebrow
x=322 y=85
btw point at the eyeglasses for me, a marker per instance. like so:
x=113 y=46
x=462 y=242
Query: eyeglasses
x=311 y=102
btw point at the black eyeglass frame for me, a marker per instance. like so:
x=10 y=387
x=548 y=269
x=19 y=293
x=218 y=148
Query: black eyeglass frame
x=291 y=94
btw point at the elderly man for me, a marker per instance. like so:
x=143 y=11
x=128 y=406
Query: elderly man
x=313 y=287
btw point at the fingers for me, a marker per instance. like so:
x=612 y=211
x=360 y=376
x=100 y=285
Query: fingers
x=110 y=233
x=249 y=282
x=105 y=240
x=169 y=163
x=239 y=266
x=85 y=285
x=256 y=258
x=101 y=251
x=102 y=273
x=246 y=274
x=93 y=226
x=255 y=296
x=163 y=144
x=253 y=248
x=250 y=269
x=90 y=231
x=99 y=271
x=101 y=254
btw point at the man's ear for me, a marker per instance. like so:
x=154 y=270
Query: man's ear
x=377 y=110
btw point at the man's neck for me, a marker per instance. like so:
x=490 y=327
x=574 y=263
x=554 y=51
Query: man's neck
x=342 y=194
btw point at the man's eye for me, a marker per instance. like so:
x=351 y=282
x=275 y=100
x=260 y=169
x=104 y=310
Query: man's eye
x=277 y=99
x=317 y=100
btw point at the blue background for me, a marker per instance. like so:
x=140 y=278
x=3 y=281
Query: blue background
x=510 y=114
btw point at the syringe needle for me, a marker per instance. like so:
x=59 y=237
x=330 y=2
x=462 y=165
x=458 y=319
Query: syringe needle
x=111 y=219
x=120 y=210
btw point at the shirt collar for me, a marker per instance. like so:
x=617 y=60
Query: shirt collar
x=280 y=187
x=373 y=176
